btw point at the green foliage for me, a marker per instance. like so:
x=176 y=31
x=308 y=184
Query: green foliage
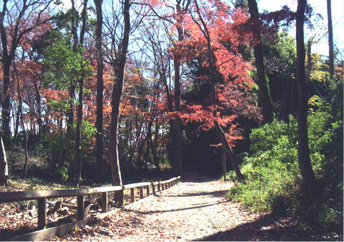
x=61 y=151
x=65 y=65
x=273 y=181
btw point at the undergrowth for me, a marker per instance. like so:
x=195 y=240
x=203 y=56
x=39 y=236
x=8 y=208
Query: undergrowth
x=273 y=182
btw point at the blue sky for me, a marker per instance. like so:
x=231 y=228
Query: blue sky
x=320 y=6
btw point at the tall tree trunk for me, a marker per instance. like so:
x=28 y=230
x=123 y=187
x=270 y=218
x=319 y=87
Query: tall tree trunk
x=20 y=106
x=330 y=37
x=119 y=66
x=6 y=102
x=79 y=115
x=302 y=129
x=264 y=92
x=100 y=87
x=177 y=164
x=78 y=136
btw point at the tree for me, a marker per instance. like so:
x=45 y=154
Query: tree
x=81 y=86
x=175 y=18
x=118 y=65
x=100 y=87
x=303 y=148
x=214 y=35
x=19 y=22
x=264 y=92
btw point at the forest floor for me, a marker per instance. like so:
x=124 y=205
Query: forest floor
x=195 y=209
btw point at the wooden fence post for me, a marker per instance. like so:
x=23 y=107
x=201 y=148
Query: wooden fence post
x=132 y=194
x=147 y=188
x=81 y=207
x=141 y=192
x=104 y=202
x=42 y=213
x=153 y=187
x=159 y=186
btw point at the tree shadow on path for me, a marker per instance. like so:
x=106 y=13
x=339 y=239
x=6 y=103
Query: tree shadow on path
x=269 y=228
x=196 y=206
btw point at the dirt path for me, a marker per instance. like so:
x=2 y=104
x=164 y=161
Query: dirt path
x=192 y=210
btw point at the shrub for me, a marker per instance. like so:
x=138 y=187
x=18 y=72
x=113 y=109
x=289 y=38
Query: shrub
x=60 y=151
x=273 y=181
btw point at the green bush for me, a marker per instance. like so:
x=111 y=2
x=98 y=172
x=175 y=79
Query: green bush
x=60 y=150
x=273 y=181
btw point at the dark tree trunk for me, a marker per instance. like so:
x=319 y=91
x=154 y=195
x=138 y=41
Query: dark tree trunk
x=78 y=136
x=15 y=136
x=100 y=87
x=116 y=102
x=330 y=37
x=152 y=147
x=79 y=115
x=264 y=92
x=20 y=106
x=224 y=168
x=309 y=62
x=6 y=103
x=177 y=164
x=25 y=149
x=70 y=112
x=303 y=149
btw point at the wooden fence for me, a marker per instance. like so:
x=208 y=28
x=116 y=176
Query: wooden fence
x=42 y=196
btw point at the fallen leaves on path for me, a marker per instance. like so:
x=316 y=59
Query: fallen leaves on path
x=193 y=210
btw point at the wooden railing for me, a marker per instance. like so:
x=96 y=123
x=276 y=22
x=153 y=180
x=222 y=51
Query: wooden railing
x=42 y=196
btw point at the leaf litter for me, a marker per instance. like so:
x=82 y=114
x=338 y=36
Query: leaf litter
x=192 y=210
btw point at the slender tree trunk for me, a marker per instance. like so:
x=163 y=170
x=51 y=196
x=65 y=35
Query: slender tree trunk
x=177 y=164
x=79 y=115
x=309 y=61
x=78 y=135
x=100 y=87
x=25 y=149
x=6 y=103
x=20 y=106
x=264 y=92
x=224 y=168
x=70 y=112
x=152 y=147
x=39 y=110
x=303 y=149
x=330 y=37
x=229 y=151
x=15 y=136
x=116 y=102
